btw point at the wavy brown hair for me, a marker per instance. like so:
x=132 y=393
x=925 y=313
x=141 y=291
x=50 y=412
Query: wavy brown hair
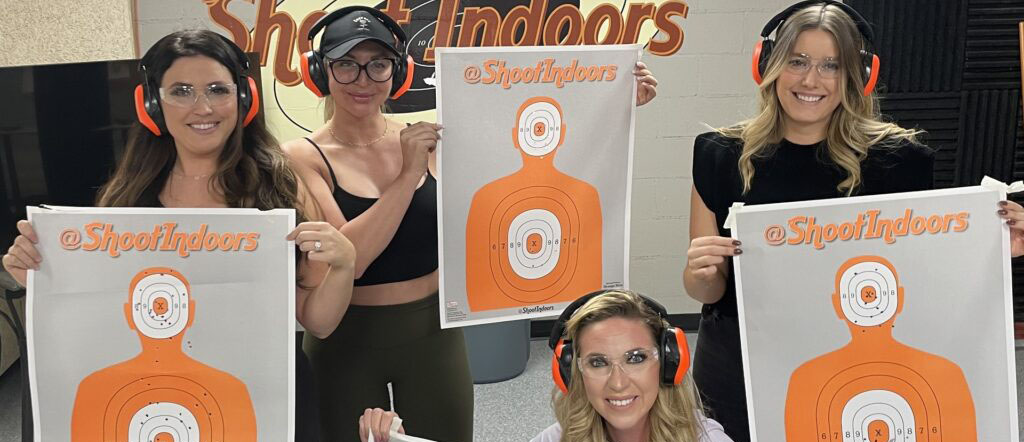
x=252 y=170
x=676 y=412
x=855 y=126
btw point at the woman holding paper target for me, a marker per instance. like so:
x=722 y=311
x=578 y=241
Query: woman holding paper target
x=376 y=181
x=200 y=142
x=817 y=135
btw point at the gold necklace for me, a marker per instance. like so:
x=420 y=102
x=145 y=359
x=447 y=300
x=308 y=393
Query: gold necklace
x=371 y=143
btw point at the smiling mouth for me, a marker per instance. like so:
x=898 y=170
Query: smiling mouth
x=808 y=98
x=203 y=126
x=622 y=402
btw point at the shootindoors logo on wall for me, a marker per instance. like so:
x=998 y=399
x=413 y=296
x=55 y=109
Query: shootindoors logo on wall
x=277 y=30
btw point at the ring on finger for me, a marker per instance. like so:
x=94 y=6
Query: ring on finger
x=317 y=245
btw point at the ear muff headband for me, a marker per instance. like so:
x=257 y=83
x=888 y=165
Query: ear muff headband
x=314 y=75
x=147 y=94
x=763 y=49
x=674 y=352
x=862 y=24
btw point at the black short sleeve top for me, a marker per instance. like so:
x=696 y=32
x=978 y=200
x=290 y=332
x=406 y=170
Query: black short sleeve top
x=794 y=172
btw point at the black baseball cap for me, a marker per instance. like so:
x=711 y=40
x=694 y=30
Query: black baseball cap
x=343 y=33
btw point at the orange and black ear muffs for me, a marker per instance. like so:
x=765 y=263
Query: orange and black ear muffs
x=763 y=49
x=674 y=356
x=674 y=352
x=561 y=365
x=147 y=103
x=248 y=93
x=314 y=74
x=147 y=94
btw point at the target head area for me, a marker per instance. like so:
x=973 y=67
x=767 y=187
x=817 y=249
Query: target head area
x=539 y=128
x=867 y=290
x=160 y=303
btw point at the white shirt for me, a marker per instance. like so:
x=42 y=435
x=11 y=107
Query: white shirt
x=713 y=432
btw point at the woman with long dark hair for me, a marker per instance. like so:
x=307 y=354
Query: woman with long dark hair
x=201 y=142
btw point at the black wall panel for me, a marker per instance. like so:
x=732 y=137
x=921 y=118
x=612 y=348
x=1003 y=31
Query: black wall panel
x=919 y=42
x=952 y=68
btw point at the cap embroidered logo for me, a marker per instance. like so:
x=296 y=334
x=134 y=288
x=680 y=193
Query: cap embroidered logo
x=363 y=21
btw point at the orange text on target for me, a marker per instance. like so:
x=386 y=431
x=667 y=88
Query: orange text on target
x=867 y=225
x=545 y=71
x=165 y=237
x=478 y=25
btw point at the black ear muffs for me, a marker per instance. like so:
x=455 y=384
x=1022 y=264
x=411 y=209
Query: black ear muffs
x=315 y=75
x=147 y=94
x=673 y=351
x=763 y=49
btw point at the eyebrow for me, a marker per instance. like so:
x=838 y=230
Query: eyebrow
x=801 y=54
x=373 y=58
x=624 y=353
x=212 y=83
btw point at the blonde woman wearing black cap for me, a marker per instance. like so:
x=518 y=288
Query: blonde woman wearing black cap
x=376 y=180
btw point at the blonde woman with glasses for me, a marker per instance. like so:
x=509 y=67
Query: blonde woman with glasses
x=818 y=134
x=621 y=375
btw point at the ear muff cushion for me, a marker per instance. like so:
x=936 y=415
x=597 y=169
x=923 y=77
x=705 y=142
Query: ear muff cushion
x=762 y=52
x=676 y=358
x=561 y=366
x=755 y=63
x=313 y=75
x=406 y=75
x=872 y=73
x=253 y=102
x=142 y=113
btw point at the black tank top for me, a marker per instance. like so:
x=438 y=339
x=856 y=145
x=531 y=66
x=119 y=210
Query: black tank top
x=412 y=252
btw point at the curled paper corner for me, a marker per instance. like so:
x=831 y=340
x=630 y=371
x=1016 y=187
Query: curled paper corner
x=994 y=184
x=730 y=221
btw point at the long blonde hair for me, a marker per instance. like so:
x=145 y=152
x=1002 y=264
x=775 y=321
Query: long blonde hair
x=675 y=415
x=855 y=125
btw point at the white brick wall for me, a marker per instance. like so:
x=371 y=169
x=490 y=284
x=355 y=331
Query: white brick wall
x=707 y=82
x=64 y=31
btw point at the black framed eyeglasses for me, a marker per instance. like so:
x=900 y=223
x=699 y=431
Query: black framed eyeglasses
x=347 y=71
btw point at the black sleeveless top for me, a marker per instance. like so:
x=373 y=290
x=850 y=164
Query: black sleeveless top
x=794 y=172
x=412 y=252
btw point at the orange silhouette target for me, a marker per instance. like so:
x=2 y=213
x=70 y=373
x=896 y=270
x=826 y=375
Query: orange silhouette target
x=161 y=395
x=875 y=388
x=533 y=236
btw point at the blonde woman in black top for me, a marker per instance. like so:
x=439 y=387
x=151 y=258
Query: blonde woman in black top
x=817 y=135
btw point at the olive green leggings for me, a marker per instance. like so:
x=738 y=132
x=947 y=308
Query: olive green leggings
x=402 y=344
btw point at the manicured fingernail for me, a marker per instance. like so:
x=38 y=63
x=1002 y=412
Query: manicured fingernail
x=1001 y=211
x=1003 y=203
x=736 y=242
x=1011 y=222
x=738 y=251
